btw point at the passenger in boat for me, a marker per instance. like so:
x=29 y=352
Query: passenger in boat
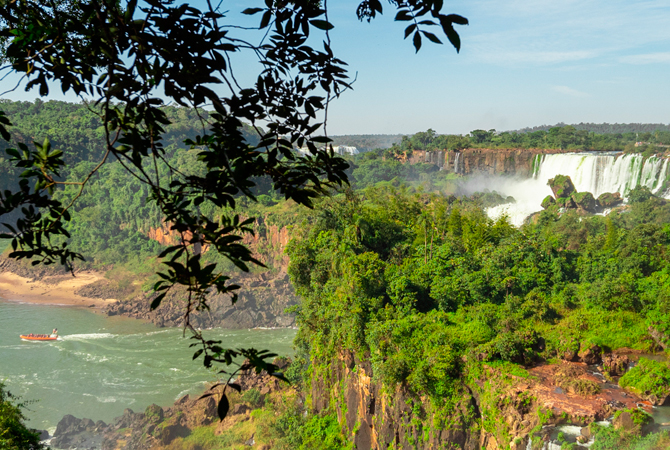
x=54 y=332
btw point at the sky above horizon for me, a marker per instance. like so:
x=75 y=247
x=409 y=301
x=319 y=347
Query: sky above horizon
x=522 y=64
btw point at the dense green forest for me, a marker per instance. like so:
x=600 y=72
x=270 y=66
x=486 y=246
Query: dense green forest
x=430 y=290
x=112 y=217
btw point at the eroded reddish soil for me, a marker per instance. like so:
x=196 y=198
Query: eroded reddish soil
x=580 y=407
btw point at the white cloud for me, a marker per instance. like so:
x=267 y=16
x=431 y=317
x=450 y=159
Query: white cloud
x=647 y=58
x=565 y=90
x=545 y=32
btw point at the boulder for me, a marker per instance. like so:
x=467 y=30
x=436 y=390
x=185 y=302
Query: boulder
x=584 y=201
x=240 y=408
x=169 y=433
x=44 y=434
x=568 y=350
x=566 y=203
x=548 y=201
x=154 y=413
x=68 y=424
x=76 y=433
x=614 y=364
x=609 y=200
x=561 y=186
x=591 y=354
x=100 y=426
x=631 y=421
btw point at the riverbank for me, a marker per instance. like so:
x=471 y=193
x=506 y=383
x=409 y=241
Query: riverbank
x=262 y=302
x=51 y=290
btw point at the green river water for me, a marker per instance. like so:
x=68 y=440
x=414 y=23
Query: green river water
x=102 y=365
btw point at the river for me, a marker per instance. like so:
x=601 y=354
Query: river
x=102 y=365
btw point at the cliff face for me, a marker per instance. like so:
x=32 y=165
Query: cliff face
x=399 y=419
x=491 y=161
x=262 y=297
x=267 y=242
x=490 y=409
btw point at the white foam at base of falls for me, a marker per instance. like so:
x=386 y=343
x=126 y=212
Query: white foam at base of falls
x=592 y=172
x=571 y=432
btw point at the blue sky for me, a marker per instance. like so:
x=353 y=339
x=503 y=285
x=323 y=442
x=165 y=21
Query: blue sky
x=522 y=63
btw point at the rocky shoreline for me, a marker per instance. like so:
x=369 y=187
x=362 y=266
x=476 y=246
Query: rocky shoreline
x=262 y=302
x=158 y=426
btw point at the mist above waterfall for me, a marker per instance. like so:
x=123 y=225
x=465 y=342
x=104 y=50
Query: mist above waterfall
x=596 y=173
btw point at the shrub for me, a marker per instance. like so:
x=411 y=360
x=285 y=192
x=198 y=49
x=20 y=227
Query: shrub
x=254 y=397
x=648 y=377
x=13 y=432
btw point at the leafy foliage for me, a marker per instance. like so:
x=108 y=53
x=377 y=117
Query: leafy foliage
x=648 y=376
x=14 y=435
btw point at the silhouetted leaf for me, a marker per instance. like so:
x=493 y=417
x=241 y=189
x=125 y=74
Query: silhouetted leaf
x=417 y=41
x=223 y=407
x=321 y=24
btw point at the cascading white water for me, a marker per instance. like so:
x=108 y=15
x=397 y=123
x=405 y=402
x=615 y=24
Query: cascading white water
x=596 y=173
x=458 y=156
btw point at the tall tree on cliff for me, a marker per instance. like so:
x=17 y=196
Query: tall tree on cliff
x=131 y=58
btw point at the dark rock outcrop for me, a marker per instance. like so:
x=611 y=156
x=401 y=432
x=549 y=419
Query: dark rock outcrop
x=584 y=201
x=561 y=186
x=566 y=197
x=136 y=431
x=614 y=364
x=261 y=303
x=609 y=200
x=548 y=202
x=591 y=355
x=72 y=432
x=263 y=381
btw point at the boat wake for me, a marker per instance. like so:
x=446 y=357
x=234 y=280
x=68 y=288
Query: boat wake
x=86 y=336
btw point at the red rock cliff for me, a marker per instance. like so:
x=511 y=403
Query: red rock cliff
x=491 y=161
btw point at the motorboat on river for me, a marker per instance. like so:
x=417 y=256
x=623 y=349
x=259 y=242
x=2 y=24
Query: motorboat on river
x=40 y=337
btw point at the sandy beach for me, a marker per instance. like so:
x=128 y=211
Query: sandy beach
x=56 y=290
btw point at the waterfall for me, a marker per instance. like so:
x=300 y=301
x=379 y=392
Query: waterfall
x=599 y=173
x=596 y=173
x=458 y=156
x=537 y=162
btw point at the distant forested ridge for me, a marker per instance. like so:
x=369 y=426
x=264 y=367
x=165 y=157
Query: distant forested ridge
x=604 y=128
x=590 y=136
x=567 y=138
x=365 y=142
